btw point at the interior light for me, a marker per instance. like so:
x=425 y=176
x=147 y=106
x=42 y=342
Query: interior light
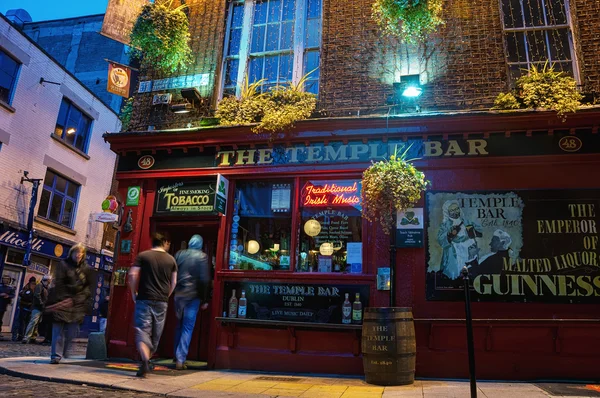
x=412 y=92
x=253 y=247
x=71 y=130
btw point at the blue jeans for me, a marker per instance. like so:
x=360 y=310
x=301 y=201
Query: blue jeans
x=62 y=335
x=31 y=332
x=149 y=322
x=186 y=320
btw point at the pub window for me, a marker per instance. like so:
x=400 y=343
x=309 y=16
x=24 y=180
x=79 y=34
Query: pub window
x=330 y=230
x=536 y=32
x=275 y=40
x=261 y=227
x=73 y=126
x=58 y=200
x=9 y=69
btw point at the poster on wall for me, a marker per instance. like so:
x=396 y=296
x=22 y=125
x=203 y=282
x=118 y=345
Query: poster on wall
x=519 y=246
x=185 y=197
x=320 y=303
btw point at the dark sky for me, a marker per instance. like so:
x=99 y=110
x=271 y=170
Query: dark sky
x=43 y=10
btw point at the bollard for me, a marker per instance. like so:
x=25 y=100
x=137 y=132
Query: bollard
x=465 y=275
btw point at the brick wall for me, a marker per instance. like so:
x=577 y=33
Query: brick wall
x=30 y=127
x=587 y=15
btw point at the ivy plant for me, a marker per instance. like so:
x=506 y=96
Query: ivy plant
x=542 y=88
x=272 y=112
x=389 y=186
x=161 y=36
x=409 y=20
x=125 y=115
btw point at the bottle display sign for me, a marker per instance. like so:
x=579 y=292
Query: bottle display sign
x=317 y=303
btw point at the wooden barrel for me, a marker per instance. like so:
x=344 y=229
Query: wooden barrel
x=388 y=346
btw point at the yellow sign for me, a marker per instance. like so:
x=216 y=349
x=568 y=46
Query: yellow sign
x=58 y=250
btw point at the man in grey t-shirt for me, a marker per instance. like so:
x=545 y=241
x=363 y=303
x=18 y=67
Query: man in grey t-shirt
x=152 y=279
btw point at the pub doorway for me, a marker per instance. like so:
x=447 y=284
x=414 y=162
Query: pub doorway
x=180 y=232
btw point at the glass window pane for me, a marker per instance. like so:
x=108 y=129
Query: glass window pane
x=61 y=184
x=258 y=39
x=260 y=12
x=235 y=39
x=330 y=227
x=311 y=63
x=559 y=44
x=288 y=10
x=313 y=33
x=534 y=13
x=237 y=18
x=49 y=178
x=231 y=72
x=274 y=11
x=536 y=43
x=287 y=36
x=285 y=68
x=44 y=203
x=260 y=239
x=513 y=16
x=271 y=66
x=314 y=9
x=55 y=208
x=272 y=37
x=515 y=42
x=72 y=190
x=312 y=86
x=556 y=12
x=62 y=113
x=256 y=69
x=67 y=213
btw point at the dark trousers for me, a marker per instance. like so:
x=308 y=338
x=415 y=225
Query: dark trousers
x=18 y=330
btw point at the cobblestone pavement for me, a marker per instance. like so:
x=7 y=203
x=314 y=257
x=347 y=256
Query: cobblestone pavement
x=17 y=387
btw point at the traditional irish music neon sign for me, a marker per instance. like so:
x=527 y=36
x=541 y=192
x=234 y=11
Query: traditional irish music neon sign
x=330 y=195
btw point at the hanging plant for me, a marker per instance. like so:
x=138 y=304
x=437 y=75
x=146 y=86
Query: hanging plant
x=161 y=36
x=409 y=20
x=273 y=112
x=542 y=89
x=389 y=186
x=125 y=115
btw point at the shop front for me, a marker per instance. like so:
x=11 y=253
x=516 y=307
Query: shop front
x=295 y=263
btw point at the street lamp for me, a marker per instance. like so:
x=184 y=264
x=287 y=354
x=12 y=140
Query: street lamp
x=34 y=191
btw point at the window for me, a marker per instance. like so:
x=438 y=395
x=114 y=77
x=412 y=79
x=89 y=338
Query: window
x=537 y=31
x=59 y=197
x=72 y=126
x=262 y=225
x=330 y=227
x=9 y=69
x=275 y=40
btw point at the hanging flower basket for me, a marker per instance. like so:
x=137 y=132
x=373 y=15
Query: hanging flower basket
x=389 y=186
x=161 y=36
x=409 y=20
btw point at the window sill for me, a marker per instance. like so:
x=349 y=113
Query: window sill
x=281 y=275
x=7 y=107
x=71 y=147
x=52 y=224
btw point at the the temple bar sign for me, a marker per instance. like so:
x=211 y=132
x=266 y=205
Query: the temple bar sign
x=352 y=152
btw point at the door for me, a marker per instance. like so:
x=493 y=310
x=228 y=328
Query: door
x=15 y=277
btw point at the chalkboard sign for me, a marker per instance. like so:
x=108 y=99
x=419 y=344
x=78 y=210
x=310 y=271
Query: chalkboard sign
x=320 y=303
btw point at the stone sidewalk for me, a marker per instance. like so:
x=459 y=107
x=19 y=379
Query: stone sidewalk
x=245 y=384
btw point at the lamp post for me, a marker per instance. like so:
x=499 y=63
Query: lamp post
x=34 y=191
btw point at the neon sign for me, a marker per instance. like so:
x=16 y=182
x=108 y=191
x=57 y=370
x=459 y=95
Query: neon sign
x=330 y=195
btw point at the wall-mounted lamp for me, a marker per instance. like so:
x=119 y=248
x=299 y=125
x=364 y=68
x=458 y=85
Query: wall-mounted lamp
x=193 y=98
x=182 y=108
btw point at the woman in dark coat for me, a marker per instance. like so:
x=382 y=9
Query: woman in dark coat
x=71 y=294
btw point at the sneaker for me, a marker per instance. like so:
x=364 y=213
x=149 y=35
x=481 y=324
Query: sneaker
x=180 y=366
x=144 y=369
x=54 y=361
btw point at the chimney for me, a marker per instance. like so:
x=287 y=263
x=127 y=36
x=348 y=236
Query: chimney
x=18 y=17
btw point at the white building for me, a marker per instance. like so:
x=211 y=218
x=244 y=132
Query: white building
x=51 y=126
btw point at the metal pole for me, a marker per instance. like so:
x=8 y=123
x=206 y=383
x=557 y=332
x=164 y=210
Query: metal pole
x=465 y=275
x=34 y=194
x=393 y=263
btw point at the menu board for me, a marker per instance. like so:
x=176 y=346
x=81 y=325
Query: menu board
x=281 y=198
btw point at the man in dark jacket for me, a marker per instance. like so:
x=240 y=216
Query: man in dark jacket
x=40 y=296
x=193 y=278
x=72 y=281
x=25 y=303
x=7 y=293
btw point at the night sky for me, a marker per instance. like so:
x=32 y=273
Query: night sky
x=43 y=10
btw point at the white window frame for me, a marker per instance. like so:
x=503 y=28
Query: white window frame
x=298 y=46
x=547 y=27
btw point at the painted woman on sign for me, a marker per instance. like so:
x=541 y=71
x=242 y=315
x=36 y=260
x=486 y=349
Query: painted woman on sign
x=456 y=235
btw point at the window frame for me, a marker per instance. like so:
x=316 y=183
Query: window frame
x=299 y=49
x=65 y=198
x=545 y=28
x=13 y=88
x=63 y=135
x=296 y=215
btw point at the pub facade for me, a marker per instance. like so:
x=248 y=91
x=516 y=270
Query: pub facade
x=295 y=263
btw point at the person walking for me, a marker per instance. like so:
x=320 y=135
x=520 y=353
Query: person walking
x=40 y=296
x=193 y=278
x=72 y=282
x=7 y=293
x=25 y=303
x=152 y=279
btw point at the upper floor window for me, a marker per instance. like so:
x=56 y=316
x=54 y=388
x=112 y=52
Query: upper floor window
x=9 y=69
x=73 y=126
x=58 y=200
x=538 y=31
x=275 y=40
